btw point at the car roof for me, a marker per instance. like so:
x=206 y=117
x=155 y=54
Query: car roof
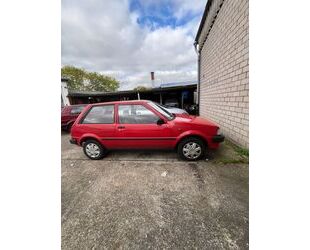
x=73 y=106
x=121 y=102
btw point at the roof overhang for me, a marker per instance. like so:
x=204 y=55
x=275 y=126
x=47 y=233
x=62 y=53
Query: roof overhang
x=74 y=93
x=203 y=19
x=210 y=13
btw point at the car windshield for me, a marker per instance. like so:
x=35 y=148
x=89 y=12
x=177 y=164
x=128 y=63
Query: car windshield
x=162 y=110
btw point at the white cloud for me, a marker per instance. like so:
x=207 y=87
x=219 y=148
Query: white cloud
x=185 y=7
x=104 y=36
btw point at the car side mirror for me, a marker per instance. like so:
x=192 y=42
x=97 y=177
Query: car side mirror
x=160 y=122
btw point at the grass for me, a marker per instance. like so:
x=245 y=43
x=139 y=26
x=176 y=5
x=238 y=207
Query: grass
x=242 y=151
x=238 y=155
x=231 y=161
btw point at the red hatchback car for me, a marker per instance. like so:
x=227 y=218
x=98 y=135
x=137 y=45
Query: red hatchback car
x=69 y=115
x=142 y=125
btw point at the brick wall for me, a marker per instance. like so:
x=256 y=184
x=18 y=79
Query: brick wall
x=224 y=70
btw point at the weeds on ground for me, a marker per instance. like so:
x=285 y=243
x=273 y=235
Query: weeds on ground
x=242 y=151
x=241 y=156
x=231 y=161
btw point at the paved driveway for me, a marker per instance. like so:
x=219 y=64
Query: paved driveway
x=150 y=200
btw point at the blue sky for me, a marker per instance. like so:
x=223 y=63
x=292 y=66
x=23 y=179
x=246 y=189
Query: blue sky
x=127 y=39
x=158 y=14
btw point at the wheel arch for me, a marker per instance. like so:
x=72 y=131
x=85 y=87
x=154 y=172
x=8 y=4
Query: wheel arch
x=90 y=137
x=191 y=135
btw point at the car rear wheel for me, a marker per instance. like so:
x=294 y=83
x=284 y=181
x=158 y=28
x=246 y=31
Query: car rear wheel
x=94 y=150
x=191 y=149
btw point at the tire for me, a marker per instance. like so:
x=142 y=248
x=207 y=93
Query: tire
x=94 y=150
x=69 y=127
x=188 y=153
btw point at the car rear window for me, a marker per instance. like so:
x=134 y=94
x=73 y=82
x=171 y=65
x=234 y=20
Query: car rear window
x=77 y=110
x=100 y=115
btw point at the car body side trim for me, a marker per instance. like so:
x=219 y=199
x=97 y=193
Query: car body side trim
x=139 y=138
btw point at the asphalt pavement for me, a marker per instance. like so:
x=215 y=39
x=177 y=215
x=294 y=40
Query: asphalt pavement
x=152 y=200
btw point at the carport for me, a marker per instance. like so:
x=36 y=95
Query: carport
x=184 y=93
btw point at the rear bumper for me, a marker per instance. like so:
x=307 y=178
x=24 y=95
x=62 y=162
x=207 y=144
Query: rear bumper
x=218 y=138
x=73 y=141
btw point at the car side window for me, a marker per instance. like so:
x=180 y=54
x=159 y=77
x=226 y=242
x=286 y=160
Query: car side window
x=77 y=110
x=136 y=114
x=100 y=115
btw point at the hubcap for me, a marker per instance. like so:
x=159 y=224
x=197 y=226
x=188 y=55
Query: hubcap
x=191 y=150
x=92 y=150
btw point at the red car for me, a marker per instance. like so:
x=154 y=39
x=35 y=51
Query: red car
x=69 y=115
x=142 y=125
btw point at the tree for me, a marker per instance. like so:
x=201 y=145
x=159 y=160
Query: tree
x=99 y=82
x=75 y=77
x=80 y=79
x=141 y=88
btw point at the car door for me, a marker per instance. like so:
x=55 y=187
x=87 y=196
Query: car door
x=137 y=127
x=65 y=115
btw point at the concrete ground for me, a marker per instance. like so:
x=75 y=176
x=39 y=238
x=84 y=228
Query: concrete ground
x=151 y=200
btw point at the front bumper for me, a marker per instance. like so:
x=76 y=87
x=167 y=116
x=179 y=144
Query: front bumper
x=73 y=141
x=218 y=138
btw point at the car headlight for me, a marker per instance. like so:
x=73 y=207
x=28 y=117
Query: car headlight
x=219 y=131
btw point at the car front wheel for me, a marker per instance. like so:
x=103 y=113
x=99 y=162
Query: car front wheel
x=191 y=149
x=69 y=127
x=94 y=150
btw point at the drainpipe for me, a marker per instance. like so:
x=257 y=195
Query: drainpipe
x=196 y=45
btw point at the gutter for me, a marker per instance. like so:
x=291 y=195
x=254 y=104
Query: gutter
x=205 y=13
x=209 y=16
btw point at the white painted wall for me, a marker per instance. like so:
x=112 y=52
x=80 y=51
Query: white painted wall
x=64 y=94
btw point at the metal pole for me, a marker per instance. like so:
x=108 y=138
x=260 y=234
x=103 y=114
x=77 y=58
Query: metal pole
x=197 y=49
x=182 y=101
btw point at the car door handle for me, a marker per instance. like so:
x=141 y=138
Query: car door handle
x=121 y=127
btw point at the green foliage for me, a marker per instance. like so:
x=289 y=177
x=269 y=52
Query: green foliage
x=99 y=82
x=239 y=150
x=80 y=79
x=141 y=88
x=242 y=151
x=231 y=153
x=75 y=77
x=231 y=161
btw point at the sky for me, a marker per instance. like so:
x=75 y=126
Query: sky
x=127 y=39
